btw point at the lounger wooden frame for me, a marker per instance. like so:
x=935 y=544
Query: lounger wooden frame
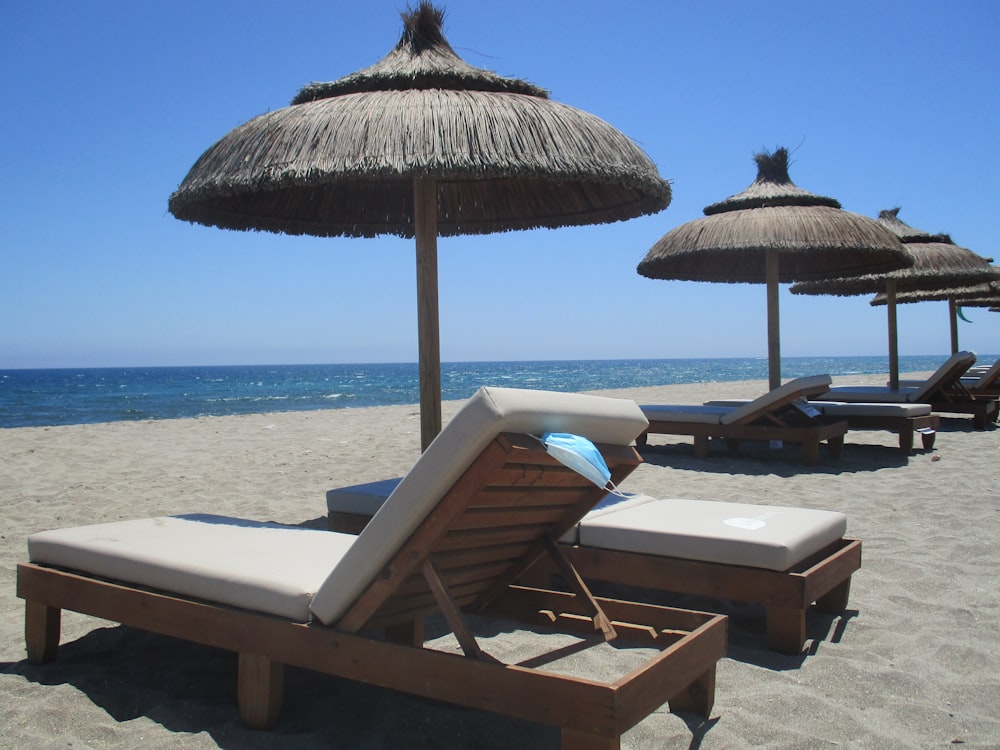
x=809 y=436
x=906 y=428
x=824 y=578
x=957 y=399
x=498 y=519
x=779 y=421
x=952 y=396
x=943 y=390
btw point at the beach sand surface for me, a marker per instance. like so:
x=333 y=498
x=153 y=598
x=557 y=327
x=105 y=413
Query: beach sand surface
x=913 y=663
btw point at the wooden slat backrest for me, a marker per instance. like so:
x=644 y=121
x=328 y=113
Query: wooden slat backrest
x=486 y=530
x=944 y=383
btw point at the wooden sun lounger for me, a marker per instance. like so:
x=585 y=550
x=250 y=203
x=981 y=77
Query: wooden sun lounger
x=905 y=419
x=984 y=383
x=769 y=417
x=943 y=390
x=807 y=561
x=451 y=541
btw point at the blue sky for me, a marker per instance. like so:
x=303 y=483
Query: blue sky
x=106 y=105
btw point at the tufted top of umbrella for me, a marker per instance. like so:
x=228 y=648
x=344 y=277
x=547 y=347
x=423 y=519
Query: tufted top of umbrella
x=814 y=238
x=342 y=159
x=422 y=59
x=938 y=263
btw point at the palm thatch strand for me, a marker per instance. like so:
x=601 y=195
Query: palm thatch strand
x=938 y=264
x=814 y=238
x=342 y=159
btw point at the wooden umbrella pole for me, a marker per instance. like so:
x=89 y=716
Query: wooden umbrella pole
x=428 y=327
x=890 y=304
x=773 y=326
x=953 y=315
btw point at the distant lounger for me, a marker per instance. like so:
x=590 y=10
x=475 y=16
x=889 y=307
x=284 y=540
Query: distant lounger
x=482 y=503
x=985 y=382
x=906 y=420
x=772 y=416
x=943 y=390
x=782 y=559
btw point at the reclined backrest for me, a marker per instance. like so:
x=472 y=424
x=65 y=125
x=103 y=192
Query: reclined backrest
x=989 y=378
x=491 y=412
x=783 y=394
x=947 y=373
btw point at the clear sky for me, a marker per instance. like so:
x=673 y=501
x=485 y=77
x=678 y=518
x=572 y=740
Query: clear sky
x=106 y=105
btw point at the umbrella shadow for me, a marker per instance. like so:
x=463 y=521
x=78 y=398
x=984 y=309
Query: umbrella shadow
x=757 y=458
x=963 y=424
x=187 y=689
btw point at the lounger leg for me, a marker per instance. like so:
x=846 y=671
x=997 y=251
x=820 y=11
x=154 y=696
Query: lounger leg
x=408 y=633
x=836 y=446
x=927 y=438
x=574 y=740
x=700 y=446
x=786 y=629
x=698 y=697
x=979 y=420
x=640 y=441
x=810 y=452
x=259 y=690
x=906 y=440
x=42 y=625
x=835 y=600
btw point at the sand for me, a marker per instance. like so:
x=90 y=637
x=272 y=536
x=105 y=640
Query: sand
x=913 y=663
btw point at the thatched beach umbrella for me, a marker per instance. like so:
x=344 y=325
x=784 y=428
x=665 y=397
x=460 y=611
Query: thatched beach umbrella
x=421 y=145
x=938 y=264
x=773 y=232
x=976 y=295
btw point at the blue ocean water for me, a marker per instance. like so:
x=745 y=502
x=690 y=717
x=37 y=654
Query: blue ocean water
x=65 y=396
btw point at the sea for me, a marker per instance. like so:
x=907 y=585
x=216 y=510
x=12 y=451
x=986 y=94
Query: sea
x=35 y=398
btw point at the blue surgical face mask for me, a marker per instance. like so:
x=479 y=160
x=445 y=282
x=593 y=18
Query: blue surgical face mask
x=580 y=455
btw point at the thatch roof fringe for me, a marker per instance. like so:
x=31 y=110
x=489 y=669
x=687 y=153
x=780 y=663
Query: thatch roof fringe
x=974 y=295
x=422 y=59
x=814 y=242
x=938 y=263
x=814 y=237
x=493 y=155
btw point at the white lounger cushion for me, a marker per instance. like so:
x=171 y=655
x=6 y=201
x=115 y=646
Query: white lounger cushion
x=717 y=413
x=869 y=394
x=847 y=409
x=260 y=566
x=685 y=413
x=362 y=499
x=757 y=536
x=487 y=414
x=840 y=409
